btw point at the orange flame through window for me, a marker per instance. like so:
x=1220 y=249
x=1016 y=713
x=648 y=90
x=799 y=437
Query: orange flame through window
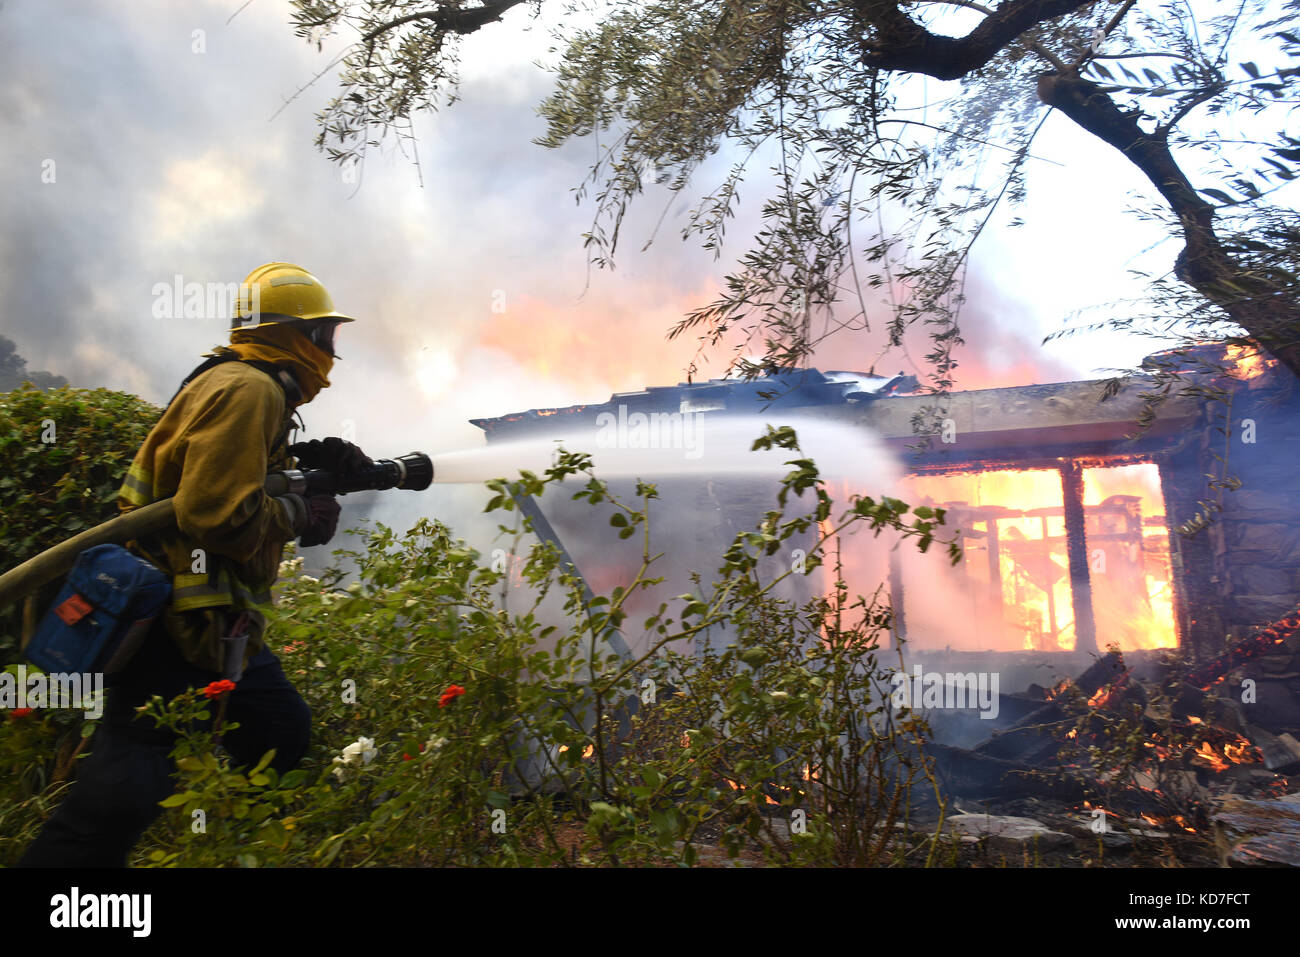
x=1012 y=589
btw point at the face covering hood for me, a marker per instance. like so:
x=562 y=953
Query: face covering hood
x=284 y=345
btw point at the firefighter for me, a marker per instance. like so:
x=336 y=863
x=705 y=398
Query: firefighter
x=225 y=428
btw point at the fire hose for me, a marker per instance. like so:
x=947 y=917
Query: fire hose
x=413 y=471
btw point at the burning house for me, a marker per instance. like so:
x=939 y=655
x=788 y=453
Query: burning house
x=1090 y=544
x=1069 y=514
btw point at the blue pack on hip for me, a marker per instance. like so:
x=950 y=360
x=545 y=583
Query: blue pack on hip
x=101 y=615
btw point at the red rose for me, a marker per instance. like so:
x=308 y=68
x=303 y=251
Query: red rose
x=20 y=713
x=218 y=688
x=451 y=694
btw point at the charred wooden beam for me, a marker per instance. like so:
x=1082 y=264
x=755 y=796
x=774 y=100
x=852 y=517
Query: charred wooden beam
x=1026 y=426
x=981 y=775
x=1076 y=547
x=1273 y=637
x=1030 y=739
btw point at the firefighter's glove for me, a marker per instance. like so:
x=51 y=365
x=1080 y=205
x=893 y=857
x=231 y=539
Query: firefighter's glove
x=322 y=520
x=315 y=518
x=332 y=454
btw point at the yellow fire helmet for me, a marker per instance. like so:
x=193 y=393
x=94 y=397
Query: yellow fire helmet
x=283 y=292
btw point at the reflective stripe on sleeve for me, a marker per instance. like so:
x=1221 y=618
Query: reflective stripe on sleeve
x=137 y=486
x=214 y=590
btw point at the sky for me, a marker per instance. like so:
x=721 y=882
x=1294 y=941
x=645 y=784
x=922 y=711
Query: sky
x=178 y=147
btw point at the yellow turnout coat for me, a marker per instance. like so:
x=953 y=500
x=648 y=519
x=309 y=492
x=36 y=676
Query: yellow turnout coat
x=210 y=452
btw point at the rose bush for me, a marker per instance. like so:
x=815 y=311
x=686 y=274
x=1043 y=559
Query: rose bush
x=453 y=726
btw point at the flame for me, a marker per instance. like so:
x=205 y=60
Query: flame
x=1173 y=820
x=1101 y=697
x=1272 y=636
x=1210 y=757
x=1239 y=753
x=740 y=787
x=1247 y=363
x=1162 y=752
x=1015 y=573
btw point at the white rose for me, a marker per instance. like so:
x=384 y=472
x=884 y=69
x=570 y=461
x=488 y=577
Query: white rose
x=363 y=748
x=361 y=751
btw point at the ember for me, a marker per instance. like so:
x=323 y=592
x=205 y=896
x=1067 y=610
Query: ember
x=1275 y=635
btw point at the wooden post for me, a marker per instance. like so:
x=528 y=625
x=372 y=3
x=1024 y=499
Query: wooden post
x=1191 y=561
x=1076 y=547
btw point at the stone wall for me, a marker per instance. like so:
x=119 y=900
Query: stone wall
x=1256 y=541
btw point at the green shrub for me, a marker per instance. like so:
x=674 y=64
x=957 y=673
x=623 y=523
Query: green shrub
x=456 y=724
x=65 y=452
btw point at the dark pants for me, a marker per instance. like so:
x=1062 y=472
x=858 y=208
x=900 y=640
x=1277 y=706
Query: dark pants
x=119 y=784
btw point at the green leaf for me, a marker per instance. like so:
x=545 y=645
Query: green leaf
x=262 y=764
x=273 y=833
x=293 y=779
